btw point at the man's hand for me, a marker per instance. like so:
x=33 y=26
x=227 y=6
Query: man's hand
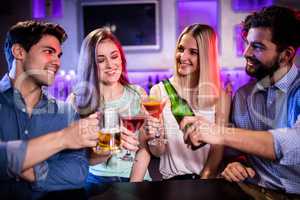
x=28 y=175
x=237 y=172
x=82 y=133
x=198 y=130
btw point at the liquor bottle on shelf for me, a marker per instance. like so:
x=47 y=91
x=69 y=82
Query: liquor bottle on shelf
x=157 y=79
x=150 y=83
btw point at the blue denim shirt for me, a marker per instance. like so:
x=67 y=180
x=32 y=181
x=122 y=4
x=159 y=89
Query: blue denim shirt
x=64 y=170
x=274 y=108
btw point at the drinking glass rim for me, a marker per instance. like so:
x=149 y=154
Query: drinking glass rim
x=112 y=131
x=137 y=116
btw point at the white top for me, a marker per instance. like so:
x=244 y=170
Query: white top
x=178 y=159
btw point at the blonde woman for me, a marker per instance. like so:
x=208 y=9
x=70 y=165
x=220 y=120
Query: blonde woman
x=197 y=80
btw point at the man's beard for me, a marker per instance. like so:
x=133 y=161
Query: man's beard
x=259 y=70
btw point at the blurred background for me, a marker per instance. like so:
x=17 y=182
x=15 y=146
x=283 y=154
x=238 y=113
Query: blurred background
x=148 y=29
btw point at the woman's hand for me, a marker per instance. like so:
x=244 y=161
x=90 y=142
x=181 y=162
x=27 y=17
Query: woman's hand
x=152 y=128
x=129 y=140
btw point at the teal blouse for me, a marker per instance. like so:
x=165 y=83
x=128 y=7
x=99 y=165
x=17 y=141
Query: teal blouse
x=129 y=102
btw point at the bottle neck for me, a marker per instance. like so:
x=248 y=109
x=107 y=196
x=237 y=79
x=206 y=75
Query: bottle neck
x=171 y=91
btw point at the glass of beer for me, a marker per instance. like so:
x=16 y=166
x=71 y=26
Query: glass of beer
x=109 y=132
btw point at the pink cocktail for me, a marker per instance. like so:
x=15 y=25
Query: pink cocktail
x=133 y=123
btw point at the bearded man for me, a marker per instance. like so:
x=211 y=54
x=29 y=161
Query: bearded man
x=266 y=111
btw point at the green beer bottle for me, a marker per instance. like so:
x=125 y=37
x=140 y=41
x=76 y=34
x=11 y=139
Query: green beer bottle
x=179 y=107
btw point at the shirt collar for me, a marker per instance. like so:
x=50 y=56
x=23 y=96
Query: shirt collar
x=286 y=81
x=5 y=83
x=9 y=92
x=283 y=84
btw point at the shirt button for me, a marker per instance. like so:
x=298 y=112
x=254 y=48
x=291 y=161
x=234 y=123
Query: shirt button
x=26 y=132
x=23 y=109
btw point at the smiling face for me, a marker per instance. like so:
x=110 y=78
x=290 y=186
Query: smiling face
x=262 y=58
x=187 y=55
x=42 y=61
x=109 y=62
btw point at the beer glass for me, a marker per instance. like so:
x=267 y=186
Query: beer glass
x=109 y=132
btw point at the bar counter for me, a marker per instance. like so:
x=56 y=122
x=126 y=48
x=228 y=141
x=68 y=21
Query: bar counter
x=212 y=189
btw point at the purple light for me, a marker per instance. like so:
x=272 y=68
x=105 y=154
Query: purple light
x=239 y=42
x=235 y=77
x=64 y=82
x=56 y=8
x=38 y=9
x=204 y=12
x=147 y=78
x=46 y=8
x=249 y=5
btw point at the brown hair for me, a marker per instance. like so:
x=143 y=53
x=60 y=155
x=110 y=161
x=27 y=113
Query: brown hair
x=87 y=90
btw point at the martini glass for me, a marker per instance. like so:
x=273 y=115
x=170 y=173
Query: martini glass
x=133 y=123
x=154 y=106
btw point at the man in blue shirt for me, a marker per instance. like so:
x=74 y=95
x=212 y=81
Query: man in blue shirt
x=40 y=141
x=266 y=111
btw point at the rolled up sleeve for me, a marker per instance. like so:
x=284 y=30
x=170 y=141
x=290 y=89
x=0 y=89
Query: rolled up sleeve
x=15 y=155
x=41 y=171
x=287 y=144
x=3 y=160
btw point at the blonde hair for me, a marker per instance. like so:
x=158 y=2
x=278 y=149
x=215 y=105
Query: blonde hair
x=209 y=72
